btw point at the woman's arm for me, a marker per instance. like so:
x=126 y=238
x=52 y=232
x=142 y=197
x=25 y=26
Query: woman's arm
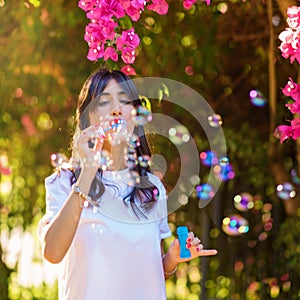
x=169 y=266
x=58 y=234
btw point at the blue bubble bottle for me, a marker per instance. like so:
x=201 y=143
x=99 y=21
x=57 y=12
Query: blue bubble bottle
x=182 y=233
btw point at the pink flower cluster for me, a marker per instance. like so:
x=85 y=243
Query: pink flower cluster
x=108 y=37
x=104 y=35
x=284 y=132
x=290 y=46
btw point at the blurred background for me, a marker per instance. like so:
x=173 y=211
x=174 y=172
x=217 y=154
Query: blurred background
x=228 y=52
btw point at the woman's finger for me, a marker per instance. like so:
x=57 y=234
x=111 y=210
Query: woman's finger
x=196 y=241
x=207 y=252
x=93 y=131
x=190 y=237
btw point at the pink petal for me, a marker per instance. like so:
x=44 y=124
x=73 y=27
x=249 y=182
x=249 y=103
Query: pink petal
x=110 y=53
x=159 y=6
x=295 y=123
x=283 y=132
x=128 y=70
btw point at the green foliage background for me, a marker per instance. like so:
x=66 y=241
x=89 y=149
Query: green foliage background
x=43 y=65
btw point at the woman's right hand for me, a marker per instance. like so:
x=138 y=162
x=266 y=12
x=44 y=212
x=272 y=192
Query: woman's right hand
x=89 y=156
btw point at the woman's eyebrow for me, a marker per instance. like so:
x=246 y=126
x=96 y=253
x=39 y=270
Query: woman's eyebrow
x=108 y=94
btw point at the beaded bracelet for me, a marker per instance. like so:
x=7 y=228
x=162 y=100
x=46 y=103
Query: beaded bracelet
x=167 y=273
x=86 y=198
x=171 y=273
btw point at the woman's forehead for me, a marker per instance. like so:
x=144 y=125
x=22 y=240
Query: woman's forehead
x=113 y=86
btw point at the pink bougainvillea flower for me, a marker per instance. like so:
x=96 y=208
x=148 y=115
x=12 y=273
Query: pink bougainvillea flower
x=293 y=13
x=294 y=107
x=295 y=124
x=289 y=44
x=128 y=39
x=110 y=53
x=159 y=6
x=133 y=8
x=128 y=55
x=127 y=43
x=128 y=70
x=292 y=89
x=283 y=132
x=95 y=53
x=86 y=5
x=111 y=8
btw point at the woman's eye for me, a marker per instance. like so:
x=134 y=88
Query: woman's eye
x=124 y=101
x=103 y=103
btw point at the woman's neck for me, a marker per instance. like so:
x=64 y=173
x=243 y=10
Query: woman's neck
x=117 y=153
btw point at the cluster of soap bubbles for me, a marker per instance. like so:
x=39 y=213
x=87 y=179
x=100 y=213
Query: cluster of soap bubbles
x=222 y=168
x=236 y=224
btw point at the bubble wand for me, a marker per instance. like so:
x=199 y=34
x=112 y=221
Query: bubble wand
x=182 y=233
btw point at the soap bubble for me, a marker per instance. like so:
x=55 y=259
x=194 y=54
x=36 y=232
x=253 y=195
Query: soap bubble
x=285 y=191
x=141 y=116
x=179 y=135
x=205 y=191
x=257 y=98
x=215 y=120
x=243 y=201
x=59 y=160
x=235 y=225
x=276 y=20
x=209 y=158
x=224 y=173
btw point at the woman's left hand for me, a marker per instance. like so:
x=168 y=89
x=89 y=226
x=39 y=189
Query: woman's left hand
x=193 y=243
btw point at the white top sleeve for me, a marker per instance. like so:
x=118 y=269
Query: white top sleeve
x=58 y=187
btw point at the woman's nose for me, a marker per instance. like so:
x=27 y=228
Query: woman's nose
x=116 y=111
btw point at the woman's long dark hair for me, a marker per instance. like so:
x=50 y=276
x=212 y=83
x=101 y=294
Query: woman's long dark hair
x=93 y=86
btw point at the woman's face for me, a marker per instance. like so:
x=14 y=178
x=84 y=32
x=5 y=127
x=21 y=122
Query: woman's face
x=112 y=104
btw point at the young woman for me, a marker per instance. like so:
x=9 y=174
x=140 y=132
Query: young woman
x=105 y=221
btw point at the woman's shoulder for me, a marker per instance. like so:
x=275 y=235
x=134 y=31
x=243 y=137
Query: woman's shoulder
x=59 y=175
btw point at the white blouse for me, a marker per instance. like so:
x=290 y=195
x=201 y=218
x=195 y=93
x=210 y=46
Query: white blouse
x=114 y=254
